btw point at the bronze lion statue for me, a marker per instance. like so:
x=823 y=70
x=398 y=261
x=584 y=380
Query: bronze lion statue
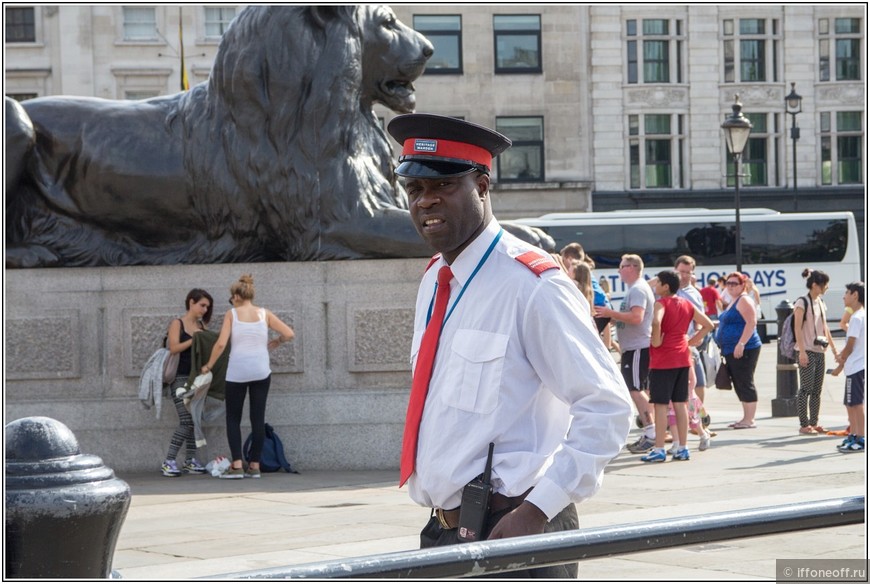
x=277 y=157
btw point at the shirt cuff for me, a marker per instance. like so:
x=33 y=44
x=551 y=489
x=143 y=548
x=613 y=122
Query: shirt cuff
x=549 y=498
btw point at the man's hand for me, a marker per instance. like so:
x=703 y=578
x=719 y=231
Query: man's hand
x=524 y=520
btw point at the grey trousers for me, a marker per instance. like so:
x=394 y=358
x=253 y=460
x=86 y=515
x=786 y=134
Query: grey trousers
x=433 y=535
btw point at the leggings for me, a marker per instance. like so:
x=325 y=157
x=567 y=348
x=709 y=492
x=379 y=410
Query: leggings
x=184 y=433
x=810 y=391
x=235 y=401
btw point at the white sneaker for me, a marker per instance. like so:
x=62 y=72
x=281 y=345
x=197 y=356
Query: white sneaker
x=705 y=441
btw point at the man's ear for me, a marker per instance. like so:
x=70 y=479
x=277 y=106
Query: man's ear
x=483 y=185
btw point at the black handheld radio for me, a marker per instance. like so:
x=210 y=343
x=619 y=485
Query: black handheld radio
x=474 y=510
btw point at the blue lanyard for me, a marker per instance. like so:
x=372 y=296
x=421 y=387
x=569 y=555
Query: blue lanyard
x=470 y=278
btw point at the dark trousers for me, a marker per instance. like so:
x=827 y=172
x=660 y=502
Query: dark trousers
x=235 y=401
x=433 y=535
x=742 y=373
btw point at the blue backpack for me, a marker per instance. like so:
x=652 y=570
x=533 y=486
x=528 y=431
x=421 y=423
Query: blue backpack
x=272 y=458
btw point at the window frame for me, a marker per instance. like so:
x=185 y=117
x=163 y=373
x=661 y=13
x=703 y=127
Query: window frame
x=734 y=41
x=829 y=42
x=34 y=13
x=444 y=35
x=640 y=140
x=517 y=145
x=224 y=23
x=636 y=40
x=830 y=140
x=122 y=26
x=536 y=33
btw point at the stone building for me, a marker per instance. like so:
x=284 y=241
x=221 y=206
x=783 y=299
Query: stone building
x=609 y=106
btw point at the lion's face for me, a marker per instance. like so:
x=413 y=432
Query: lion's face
x=393 y=57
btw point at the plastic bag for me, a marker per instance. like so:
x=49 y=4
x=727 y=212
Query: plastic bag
x=218 y=466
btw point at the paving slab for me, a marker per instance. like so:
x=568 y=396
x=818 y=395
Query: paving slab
x=199 y=526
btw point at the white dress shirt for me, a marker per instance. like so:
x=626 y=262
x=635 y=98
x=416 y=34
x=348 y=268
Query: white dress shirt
x=519 y=364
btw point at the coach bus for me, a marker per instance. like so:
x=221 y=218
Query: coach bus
x=776 y=247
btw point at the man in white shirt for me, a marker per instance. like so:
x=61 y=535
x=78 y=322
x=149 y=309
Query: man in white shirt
x=852 y=360
x=518 y=363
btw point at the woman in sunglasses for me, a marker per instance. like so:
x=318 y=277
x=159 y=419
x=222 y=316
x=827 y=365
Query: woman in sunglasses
x=741 y=346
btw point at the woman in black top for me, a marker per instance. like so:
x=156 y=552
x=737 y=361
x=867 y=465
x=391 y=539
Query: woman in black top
x=199 y=306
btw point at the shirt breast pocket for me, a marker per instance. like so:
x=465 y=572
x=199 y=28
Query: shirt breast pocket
x=476 y=365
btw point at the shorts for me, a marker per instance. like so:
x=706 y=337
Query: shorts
x=854 y=389
x=668 y=385
x=601 y=322
x=635 y=369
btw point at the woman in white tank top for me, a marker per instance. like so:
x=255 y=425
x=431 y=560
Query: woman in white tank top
x=246 y=328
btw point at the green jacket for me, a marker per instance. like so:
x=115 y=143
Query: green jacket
x=200 y=352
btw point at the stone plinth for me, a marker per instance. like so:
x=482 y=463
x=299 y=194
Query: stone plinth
x=76 y=340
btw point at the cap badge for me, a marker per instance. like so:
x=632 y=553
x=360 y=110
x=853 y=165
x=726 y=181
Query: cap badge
x=421 y=145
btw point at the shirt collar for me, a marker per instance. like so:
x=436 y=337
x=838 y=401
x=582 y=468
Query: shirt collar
x=467 y=261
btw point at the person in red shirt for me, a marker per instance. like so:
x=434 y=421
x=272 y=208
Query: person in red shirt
x=712 y=298
x=669 y=362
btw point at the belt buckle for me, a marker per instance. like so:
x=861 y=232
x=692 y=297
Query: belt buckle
x=439 y=513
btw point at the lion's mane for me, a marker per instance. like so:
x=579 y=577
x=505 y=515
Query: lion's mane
x=283 y=109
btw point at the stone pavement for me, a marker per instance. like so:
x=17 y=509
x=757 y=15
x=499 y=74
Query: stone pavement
x=198 y=526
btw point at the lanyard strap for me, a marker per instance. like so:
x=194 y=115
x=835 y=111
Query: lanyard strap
x=470 y=278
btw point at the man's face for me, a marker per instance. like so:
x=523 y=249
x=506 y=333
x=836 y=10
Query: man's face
x=628 y=272
x=449 y=212
x=685 y=271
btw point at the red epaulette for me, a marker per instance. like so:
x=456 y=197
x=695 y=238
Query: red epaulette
x=536 y=262
x=434 y=259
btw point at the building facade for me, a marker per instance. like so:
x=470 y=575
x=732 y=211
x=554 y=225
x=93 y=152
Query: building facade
x=609 y=106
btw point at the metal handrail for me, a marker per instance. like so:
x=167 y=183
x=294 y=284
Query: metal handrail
x=491 y=557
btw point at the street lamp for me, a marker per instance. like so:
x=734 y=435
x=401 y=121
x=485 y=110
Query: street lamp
x=793 y=108
x=737 y=130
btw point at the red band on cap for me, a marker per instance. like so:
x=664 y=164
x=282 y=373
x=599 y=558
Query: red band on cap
x=447 y=149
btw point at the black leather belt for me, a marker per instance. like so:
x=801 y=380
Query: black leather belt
x=449 y=518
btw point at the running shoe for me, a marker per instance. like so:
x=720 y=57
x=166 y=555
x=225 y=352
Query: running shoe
x=657 y=455
x=856 y=445
x=170 y=469
x=705 y=441
x=682 y=454
x=252 y=473
x=194 y=466
x=233 y=473
x=642 y=445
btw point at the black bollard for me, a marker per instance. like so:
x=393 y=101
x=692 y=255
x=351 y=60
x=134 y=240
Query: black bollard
x=785 y=403
x=64 y=509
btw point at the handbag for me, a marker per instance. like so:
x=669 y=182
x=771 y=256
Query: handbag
x=723 y=376
x=170 y=367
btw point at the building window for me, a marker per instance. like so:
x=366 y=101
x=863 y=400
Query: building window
x=845 y=44
x=140 y=23
x=655 y=151
x=661 y=47
x=217 y=19
x=751 y=50
x=517 y=43
x=445 y=34
x=21 y=96
x=761 y=161
x=524 y=162
x=841 y=147
x=20 y=25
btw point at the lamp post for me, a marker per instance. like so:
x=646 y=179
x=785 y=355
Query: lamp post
x=793 y=108
x=737 y=130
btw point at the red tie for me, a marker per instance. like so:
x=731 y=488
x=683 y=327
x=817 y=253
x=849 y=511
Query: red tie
x=422 y=375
